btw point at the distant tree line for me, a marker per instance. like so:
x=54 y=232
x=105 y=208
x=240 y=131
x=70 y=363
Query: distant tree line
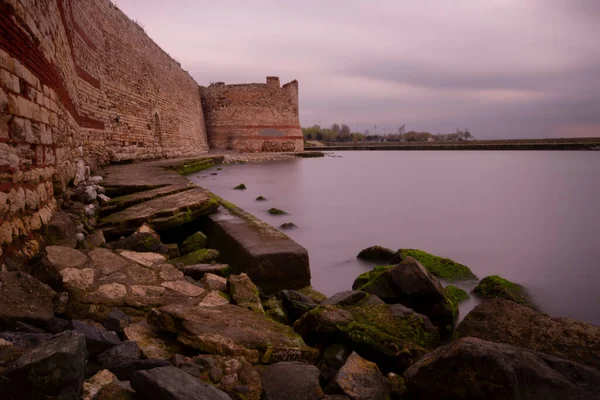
x=342 y=133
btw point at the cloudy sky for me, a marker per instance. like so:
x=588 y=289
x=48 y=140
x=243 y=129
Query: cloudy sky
x=502 y=68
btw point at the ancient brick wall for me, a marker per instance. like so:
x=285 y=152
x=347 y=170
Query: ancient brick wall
x=253 y=117
x=78 y=78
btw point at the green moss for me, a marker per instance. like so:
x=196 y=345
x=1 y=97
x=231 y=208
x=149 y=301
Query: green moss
x=261 y=198
x=201 y=256
x=194 y=242
x=194 y=166
x=443 y=268
x=495 y=286
x=455 y=294
x=276 y=211
x=368 y=276
x=310 y=292
x=241 y=186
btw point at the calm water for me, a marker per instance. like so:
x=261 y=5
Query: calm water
x=531 y=217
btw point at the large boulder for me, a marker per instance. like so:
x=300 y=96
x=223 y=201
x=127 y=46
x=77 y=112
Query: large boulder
x=393 y=336
x=170 y=383
x=291 y=380
x=61 y=231
x=443 y=268
x=360 y=379
x=24 y=299
x=54 y=369
x=505 y=321
x=244 y=293
x=410 y=284
x=472 y=368
x=494 y=286
x=377 y=253
x=230 y=330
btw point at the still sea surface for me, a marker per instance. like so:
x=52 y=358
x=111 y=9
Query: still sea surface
x=531 y=217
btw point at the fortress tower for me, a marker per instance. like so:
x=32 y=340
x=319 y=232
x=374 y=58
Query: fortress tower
x=252 y=117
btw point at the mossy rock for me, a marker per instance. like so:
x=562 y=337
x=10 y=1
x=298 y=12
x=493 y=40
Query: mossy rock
x=455 y=293
x=241 y=186
x=494 y=286
x=276 y=211
x=443 y=268
x=368 y=276
x=376 y=253
x=194 y=242
x=310 y=292
x=261 y=198
x=202 y=256
x=195 y=166
x=393 y=336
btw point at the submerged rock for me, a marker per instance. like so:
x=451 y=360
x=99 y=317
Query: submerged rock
x=472 y=368
x=276 y=211
x=241 y=186
x=54 y=369
x=378 y=253
x=170 y=383
x=504 y=321
x=393 y=336
x=261 y=198
x=230 y=330
x=288 y=225
x=360 y=379
x=291 y=381
x=443 y=268
x=494 y=286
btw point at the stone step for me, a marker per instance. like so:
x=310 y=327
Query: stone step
x=122 y=202
x=161 y=213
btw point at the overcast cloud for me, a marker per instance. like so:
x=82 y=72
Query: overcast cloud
x=502 y=68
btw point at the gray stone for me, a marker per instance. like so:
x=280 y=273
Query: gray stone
x=54 y=369
x=97 y=339
x=170 y=383
x=61 y=231
x=119 y=354
x=495 y=371
x=360 y=379
x=505 y=321
x=116 y=320
x=291 y=380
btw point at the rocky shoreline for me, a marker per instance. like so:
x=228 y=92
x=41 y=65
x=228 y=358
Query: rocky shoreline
x=153 y=292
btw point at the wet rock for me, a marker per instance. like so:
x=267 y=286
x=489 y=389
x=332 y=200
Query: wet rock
x=393 y=336
x=229 y=330
x=124 y=370
x=214 y=282
x=143 y=242
x=498 y=371
x=291 y=380
x=347 y=298
x=261 y=198
x=241 y=186
x=213 y=299
x=410 y=284
x=54 y=369
x=505 y=321
x=288 y=225
x=494 y=286
x=151 y=343
x=61 y=231
x=244 y=293
x=201 y=256
x=377 y=253
x=119 y=354
x=170 y=383
x=92 y=386
x=24 y=299
x=360 y=379
x=276 y=211
x=116 y=320
x=295 y=303
x=442 y=268
x=97 y=339
x=197 y=271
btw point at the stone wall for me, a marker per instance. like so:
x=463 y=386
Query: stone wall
x=79 y=79
x=253 y=117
